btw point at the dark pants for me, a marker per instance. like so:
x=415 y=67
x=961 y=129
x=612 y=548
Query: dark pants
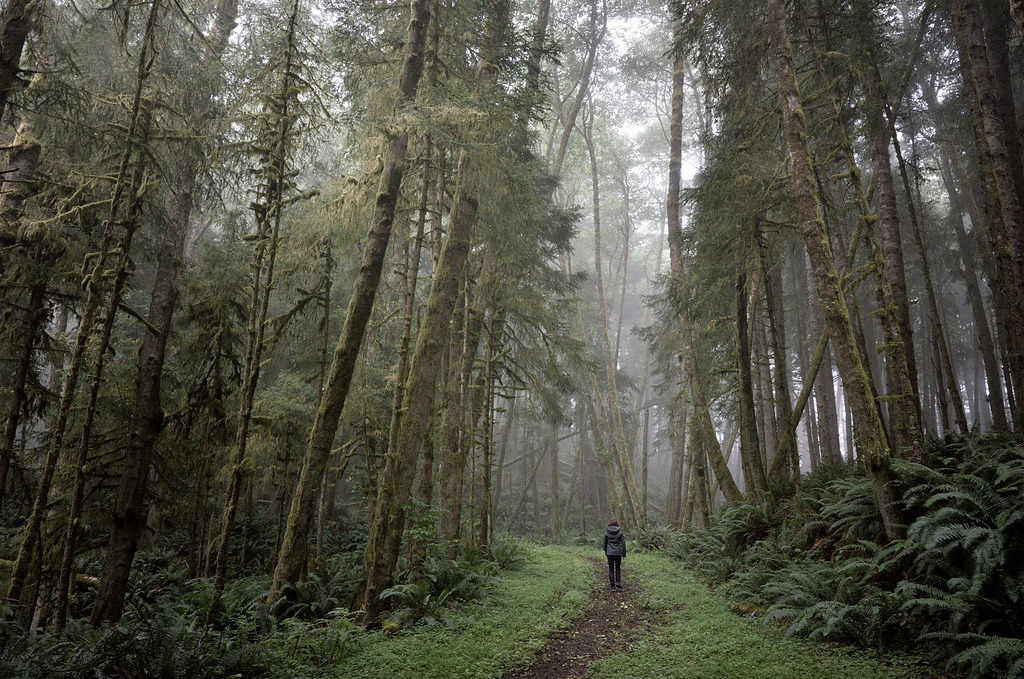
x=615 y=570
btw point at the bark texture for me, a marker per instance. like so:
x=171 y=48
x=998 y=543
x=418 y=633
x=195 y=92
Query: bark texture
x=394 y=489
x=1002 y=204
x=15 y=23
x=869 y=434
x=292 y=558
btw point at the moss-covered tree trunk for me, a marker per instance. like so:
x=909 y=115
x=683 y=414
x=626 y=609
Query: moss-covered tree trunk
x=387 y=524
x=32 y=322
x=699 y=507
x=885 y=251
x=824 y=386
x=996 y=17
x=701 y=417
x=20 y=172
x=598 y=28
x=460 y=416
x=788 y=461
x=147 y=416
x=618 y=437
x=15 y=22
x=951 y=385
x=292 y=558
x=486 y=513
x=867 y=424
x=450 y=461
x=750 y=456
x=901 y=368
x=982 y=331
x=267 y=208
x=123 y=206
x=1002 y=204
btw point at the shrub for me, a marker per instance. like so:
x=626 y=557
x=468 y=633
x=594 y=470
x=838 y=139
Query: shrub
x=156 y=642
x=654 y=537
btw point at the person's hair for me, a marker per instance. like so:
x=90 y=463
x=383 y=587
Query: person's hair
x=613 y=522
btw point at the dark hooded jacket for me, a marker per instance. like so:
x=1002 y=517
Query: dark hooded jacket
x=614 y=542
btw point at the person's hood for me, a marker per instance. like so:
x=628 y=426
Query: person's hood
x=612 y=531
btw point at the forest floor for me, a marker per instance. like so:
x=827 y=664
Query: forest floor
x=615 y=621
x=556 y=618
x=665 y=624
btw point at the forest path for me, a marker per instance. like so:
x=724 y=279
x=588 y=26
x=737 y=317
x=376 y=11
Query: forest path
x=666 y=624
x=614 y=621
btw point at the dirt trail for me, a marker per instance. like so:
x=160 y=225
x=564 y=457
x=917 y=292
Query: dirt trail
x=615 y=620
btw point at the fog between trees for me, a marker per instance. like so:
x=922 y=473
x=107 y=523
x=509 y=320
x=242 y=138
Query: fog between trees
x=278 y=274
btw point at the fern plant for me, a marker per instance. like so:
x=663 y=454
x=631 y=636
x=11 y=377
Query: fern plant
x=820 y=563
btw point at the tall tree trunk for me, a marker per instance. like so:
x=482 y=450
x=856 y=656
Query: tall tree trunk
x=267 y=210
x=901 y=366
x=750 y=451
x=824 y=388
x=704 y=444
x=540 y=29
x=499 y=465
x=598 y=27
x=674 y=498
x=458 y=419
x=938 y=332
x=325 y=502
x=486 y=471
x=15 y=190
x=776 y=326
x=628 y=228
x=707 y=442
x=981 y=323
x=451 y=463
x=980 y=240
x=388 y=521
x=997 y=22
x=65 y=574
x=1002 y=204
x=34 y=315
x=292 y=559
x=701 y=504
x=967 y=249
x=644 y=459
x=147 y=417
x=674 y=220
x=870 y=435
x=555 y=513
x=769 y=430
x=787 y=439
x=618 y=439
x=886 y=255
x=425 y=491
x=124 y=204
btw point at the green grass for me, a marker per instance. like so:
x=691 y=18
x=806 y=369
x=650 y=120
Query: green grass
x=491 y=636
x=696 y=636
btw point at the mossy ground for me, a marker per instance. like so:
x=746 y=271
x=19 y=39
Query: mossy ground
x=696 y=636
x=489 y=637
x=688 y=632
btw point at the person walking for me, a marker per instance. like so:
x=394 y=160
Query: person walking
x=614 y=549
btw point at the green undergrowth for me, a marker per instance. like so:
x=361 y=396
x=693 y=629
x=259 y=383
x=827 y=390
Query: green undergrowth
x=694 y=634
x=818 y=561
x=499 y=632
x=470 y=616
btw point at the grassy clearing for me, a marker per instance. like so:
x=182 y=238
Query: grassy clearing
x=696 y=636
x=489 y=637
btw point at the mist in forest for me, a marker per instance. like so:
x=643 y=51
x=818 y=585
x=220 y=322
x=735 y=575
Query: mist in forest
x=305 y=282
